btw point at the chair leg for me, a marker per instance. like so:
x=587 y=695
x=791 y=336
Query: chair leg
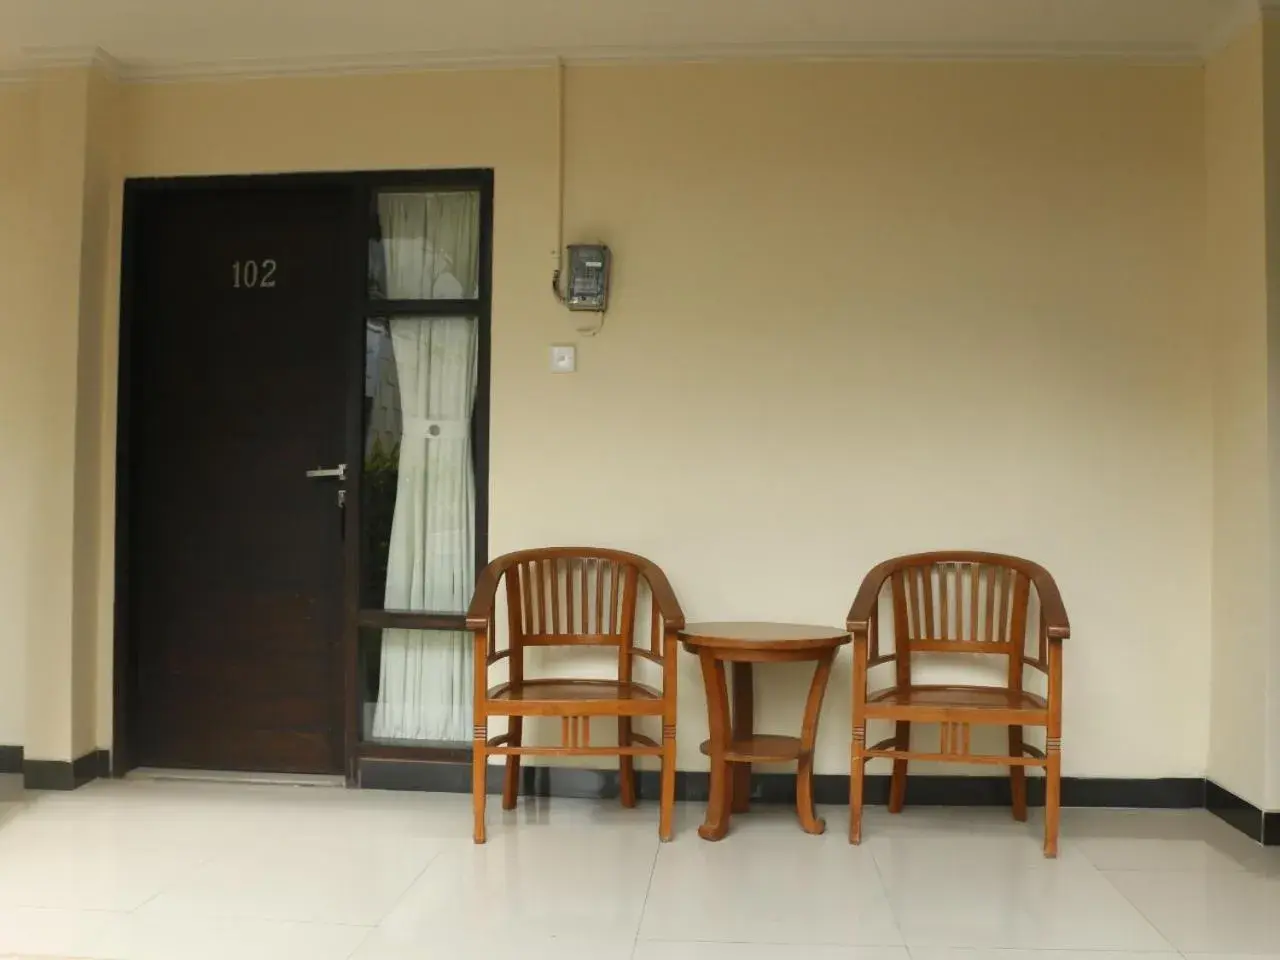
x=479 y=762
x=857 y=776
x=1017 y=776
x=1052 y=798
x=667 y=800
x=898 y=785
x=511 y=779
x=626 y=765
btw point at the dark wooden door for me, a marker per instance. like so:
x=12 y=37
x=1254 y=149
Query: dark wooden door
x=236 y=389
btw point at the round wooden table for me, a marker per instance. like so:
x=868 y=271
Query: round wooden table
x=736 y=743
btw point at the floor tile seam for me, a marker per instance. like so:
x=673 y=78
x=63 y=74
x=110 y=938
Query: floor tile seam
x=370 y=929
x=777 y=943
x=190 y=915
x=1179 y=871
x=175 y=881
x=1142 y=913
x=884 y=889
x=644 y=906
x=1098 y=950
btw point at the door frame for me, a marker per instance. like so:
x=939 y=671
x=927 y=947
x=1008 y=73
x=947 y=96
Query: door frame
x=362 y=187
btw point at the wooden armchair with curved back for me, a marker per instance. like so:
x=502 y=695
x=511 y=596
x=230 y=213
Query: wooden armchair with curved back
x=958 y=603
x=576 y=597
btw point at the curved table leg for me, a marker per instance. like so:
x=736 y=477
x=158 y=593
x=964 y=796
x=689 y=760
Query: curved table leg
x=716 y=824
x=743 y=728
x=810 y=822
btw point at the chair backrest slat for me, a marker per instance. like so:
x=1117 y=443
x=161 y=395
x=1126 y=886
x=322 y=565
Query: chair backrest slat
x=539 y=610
x=571 y=600
x=944 y=577
x=971 y=605
x=973 y=570
x=599 y=569
x=926 y=583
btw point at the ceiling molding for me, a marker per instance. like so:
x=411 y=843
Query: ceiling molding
x=153 y=71
x=62 y=58
x=1244 y=14
x=889 y=50
x=161 y=71
x=156 y=71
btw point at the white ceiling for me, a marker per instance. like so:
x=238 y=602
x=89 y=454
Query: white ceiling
x=177 y=37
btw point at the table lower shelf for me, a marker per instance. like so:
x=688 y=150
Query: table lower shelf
x=763 y=748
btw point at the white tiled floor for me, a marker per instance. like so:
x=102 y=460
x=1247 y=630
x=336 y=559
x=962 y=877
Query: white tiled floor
x=157 y=870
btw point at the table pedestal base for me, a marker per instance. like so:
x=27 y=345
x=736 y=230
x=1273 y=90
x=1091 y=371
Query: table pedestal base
x=733 y=753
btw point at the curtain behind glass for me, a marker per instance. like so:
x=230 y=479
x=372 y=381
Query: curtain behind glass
x=431 y=242
x=431 y=248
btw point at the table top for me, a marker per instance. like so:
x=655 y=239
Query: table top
x=756 y=635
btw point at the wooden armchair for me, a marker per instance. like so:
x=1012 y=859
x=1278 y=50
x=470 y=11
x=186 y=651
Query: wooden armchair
x=951 y=603
x=574 y=597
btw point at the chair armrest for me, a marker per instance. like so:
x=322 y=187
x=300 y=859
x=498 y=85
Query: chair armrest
x=486 y=595
x=864 y=604
x=1052 y=610
x=663 y=595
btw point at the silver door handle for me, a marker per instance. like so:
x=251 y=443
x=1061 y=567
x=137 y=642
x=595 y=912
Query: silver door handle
x=320 y=473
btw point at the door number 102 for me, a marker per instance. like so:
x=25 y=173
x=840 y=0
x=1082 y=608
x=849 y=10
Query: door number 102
x=253 y=274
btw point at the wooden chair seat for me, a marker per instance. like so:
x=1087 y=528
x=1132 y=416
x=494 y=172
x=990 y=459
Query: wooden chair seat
x=575 y=697
x=972 y=704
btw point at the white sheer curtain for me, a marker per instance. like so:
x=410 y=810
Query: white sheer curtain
x=425 y=680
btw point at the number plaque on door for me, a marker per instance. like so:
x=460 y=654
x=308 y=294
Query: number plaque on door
x=250 y=274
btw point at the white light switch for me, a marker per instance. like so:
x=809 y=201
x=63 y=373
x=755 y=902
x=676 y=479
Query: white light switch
x=564 y=359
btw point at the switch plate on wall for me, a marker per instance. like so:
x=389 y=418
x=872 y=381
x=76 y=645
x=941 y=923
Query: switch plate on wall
x=564 y=359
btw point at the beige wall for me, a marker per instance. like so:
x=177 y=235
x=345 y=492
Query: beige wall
x=860 y=309
x=94 y=546
x=1271 y=125
x=1236 y=269
x=1242 y=155
x=70 y=192
x=19 y=423
x=897 y=308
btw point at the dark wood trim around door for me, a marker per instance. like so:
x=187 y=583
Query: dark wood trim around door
x=362 y=187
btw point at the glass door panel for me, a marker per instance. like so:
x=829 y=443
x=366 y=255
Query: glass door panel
x=418 y=489
x=418 y=482
x=418 y=520
x=426 y=246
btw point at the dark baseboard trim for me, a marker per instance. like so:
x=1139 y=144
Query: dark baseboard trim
x=1254 y=823
x=66 y=774
x=1172 y=793
x=10 y=759
x=1239 y=813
